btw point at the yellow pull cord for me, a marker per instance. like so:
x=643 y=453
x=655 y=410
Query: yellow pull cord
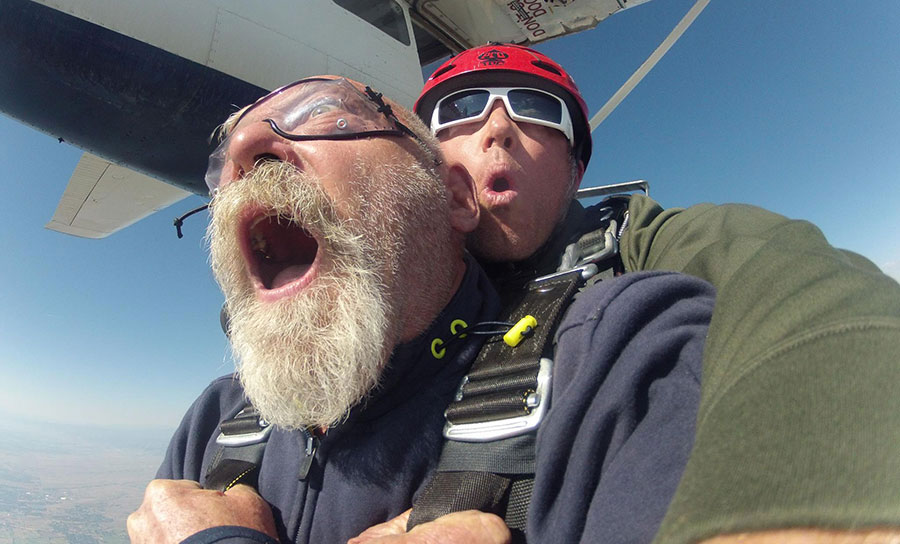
x=520 y=331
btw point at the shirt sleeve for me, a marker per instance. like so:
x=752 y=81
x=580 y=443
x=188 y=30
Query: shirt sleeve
x=798 y=425
x=229 y=534
x=624 y=399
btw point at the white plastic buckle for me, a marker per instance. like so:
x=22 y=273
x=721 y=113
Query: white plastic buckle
x=486 y=431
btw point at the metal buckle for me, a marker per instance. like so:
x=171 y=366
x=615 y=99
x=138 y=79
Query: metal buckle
x=587 y=272
x=246 y=439
x=572 y=260
x=486 y=431
x=610 y=247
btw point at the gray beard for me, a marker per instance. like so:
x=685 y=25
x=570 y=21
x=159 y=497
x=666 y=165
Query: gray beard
x=306 y=360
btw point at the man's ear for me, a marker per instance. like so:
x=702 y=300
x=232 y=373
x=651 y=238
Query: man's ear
x=576 y=180
x=579 y=174
x=461 y=198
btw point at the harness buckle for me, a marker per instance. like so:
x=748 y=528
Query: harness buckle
x=246 y=428
x=610 y=248
x=587 y=272
x=573 y=259
x=536 y=403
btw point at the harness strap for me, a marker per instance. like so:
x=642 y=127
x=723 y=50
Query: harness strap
x=242 y=442
x=488 y=458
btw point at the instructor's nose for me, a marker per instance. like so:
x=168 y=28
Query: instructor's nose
x=499 y=128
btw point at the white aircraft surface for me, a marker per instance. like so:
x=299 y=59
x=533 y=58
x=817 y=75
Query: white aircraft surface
x=140 y=86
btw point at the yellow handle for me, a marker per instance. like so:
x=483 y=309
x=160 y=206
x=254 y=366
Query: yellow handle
x=515 y=335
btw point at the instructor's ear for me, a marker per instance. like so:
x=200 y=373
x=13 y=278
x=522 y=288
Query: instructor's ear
x=464 y=211
x=578 y=174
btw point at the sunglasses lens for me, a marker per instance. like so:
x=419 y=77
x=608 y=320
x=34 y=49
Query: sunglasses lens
x=462 y=105
x=535 y=105
x=525 y=103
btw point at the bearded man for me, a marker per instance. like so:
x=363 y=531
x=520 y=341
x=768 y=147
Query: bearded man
x=337 y=237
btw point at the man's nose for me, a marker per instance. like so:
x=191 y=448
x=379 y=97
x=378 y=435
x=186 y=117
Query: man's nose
x=499 y=128
x=250 y=144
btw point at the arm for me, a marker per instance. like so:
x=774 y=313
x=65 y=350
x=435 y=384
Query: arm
x=175 y=510
x=797 y=427
x=625 y=391
x=180 y=511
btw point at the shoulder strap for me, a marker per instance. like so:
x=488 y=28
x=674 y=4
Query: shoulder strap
x=242 y=443
x=488 y=458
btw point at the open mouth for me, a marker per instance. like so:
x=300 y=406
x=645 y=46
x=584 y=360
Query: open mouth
x=499 y=189
x=500 y=178
x=280 y=251
x=500 y=185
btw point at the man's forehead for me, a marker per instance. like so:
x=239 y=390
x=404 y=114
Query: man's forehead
x=308 y=88
x=311 y=89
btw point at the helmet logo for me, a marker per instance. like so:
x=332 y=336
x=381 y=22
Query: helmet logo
x=493 y=57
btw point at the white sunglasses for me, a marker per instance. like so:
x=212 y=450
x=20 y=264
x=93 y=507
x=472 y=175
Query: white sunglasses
x=522 y=104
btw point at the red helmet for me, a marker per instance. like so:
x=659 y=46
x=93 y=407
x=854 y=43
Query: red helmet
x=508 y=65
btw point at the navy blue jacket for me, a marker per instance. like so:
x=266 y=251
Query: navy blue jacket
x=609 y=453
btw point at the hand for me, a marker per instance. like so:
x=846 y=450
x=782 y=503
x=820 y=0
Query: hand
x=175 y=509
x=469 y=527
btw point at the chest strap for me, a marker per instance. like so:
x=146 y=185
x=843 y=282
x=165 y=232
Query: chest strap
x=487 y=462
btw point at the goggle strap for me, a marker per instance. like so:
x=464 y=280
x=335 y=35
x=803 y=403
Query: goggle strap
x=179 y=221
x=351 y=136
x=385 y=109
x=375 y=96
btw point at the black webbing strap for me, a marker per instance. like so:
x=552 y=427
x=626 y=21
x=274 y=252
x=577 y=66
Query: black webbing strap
x=502 y=376
x=242 y=441
x=496 y=473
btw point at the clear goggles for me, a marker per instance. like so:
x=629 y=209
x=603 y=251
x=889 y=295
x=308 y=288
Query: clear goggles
x=312 y=109
x=522 y=104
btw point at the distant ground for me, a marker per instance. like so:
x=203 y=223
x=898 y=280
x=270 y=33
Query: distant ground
x=76 y=485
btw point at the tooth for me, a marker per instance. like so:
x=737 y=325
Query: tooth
x=258 y=242
x=257 y=221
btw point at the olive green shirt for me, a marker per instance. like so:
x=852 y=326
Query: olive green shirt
x=799 y=420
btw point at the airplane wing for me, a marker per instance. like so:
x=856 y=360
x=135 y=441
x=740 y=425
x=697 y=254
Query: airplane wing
x=469 y=24
x=102 y=198
x=143 y=84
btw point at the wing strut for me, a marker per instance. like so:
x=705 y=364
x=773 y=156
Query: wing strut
x=648 y=64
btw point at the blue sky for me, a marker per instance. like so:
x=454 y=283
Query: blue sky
x=793 y=106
